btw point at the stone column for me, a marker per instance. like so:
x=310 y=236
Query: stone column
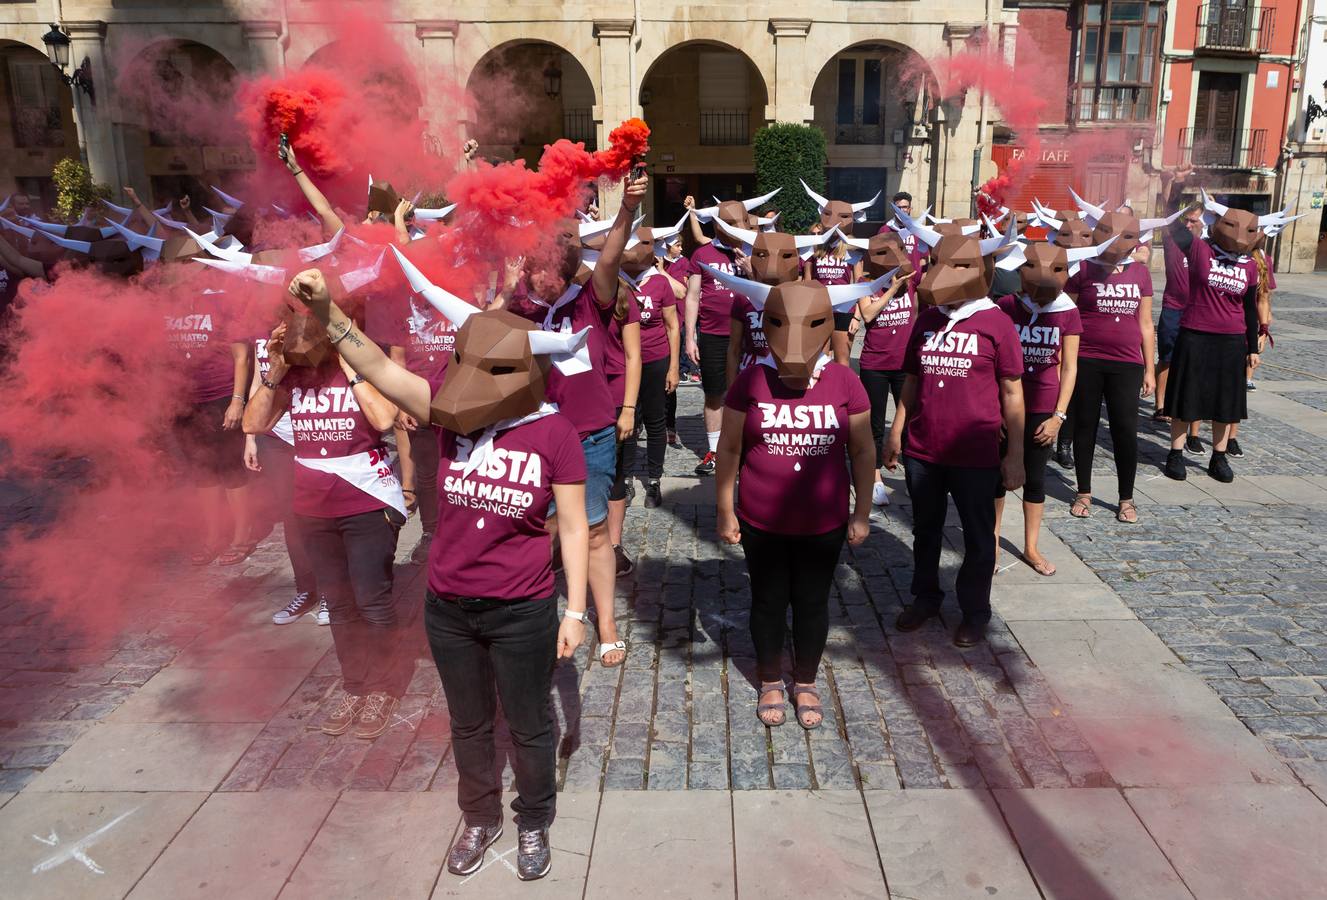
x=960 y=137
x=446 y=129
x=265 y=52
x=617 y=91
x=96 y=120
x=792 y=90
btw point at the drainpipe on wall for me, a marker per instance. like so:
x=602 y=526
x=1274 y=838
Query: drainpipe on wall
x=981 y=121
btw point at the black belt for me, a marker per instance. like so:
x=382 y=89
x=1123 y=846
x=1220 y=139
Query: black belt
x=480 y=604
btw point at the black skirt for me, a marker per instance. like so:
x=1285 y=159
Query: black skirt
x=1206 y=382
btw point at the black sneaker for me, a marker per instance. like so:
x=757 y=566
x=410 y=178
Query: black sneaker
x=1174 y=467
x=631 y=493
x=1064 y=454
x=914 y=617
x=673 y=440
x=420 y=554
x=467 y=854
x=1219 y=469
x=653 y=494
x=1234 y=449
x=534 y=858
x=1194 y=444
x=1250 y=386
x=706 y=466
x=624 y=564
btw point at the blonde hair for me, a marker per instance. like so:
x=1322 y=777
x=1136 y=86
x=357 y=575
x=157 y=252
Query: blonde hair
x=1264 y=285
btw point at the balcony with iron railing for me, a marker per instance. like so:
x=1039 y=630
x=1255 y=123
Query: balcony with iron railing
x=867 y=127
x=1234 y=29
x=725 y=127
x=579 y=125
x=1223 y=148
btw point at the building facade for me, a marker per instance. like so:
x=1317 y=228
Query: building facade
x=1306 y=177
x=705 y=77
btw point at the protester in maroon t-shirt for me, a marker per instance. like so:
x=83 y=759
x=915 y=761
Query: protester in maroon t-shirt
x=1175 y=295
x=789 y=425
x=888 y=316
x=833 y=265
x=709 y=307
x=621 y=322
x=657 y=296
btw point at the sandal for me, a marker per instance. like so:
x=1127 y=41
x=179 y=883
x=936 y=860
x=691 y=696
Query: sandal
x=609 y=647
x=762 y=708
x=808 y=709
x=1127 y=507
x=236 y=554
x=1160 y=415
x=204 y=557
x=1082 y=506
x=1045 y=567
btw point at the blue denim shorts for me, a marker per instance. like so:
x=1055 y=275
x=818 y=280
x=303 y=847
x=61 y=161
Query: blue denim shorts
x=600 y=470
x=1168 y=330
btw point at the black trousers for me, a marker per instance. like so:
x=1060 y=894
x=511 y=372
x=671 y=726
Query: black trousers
x=930 y=485
x=880 y=386
x=507 y=652
x=1035 y=459
x=278 y=461
x=670 y=411
x=794 y=570
x=651 y=411
x=1119 y=383
x=352 y=557
x=424 y=454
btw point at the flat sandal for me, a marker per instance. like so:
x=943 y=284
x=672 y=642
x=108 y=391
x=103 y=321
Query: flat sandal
x=765 y=688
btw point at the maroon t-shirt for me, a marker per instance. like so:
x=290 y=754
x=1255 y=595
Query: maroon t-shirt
x=886 y=339
x=615 y=353
x=1217 y=286
x=957 y=416
x=793 y=471
x=1176 y=293
x=584 y=398
x=830 y=270
x=752 y=323
x=1041 y=350
x=200 y=331
x=328 y=424
x=652 y=298
x=679 y=269
x=716 y=301
x=492 y=542
x=411 y=323
x=1108 y=303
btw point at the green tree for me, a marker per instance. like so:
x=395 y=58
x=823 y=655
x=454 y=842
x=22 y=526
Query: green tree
x=75 y=190
x=786 y=152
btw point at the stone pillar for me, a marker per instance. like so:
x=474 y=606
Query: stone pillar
x=617 y=90
x=792 y=90
x=265 y=52
x=960 y=137
x=446 y=129
x=96 y=120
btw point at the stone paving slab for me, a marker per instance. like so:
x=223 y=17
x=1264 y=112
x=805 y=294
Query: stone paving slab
x=1088 y=845
x=663 y=844
x=148 y=757
x=116 y=837
x=947 y=845
x=1251 y=842
x=237 y=847
x=1160 y=751
x=178 y=694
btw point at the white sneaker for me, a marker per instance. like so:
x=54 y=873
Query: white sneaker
x=323 y=617
x=878 y=495
x=298 y=609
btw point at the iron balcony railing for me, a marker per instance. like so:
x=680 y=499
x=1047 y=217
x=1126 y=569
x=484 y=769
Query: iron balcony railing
x=1223 y=148
x=1235 y=28
x=578 y=125
x=867 y=127
x=725 y=127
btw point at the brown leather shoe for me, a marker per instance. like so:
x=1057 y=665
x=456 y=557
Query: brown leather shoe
x=969 y=633
x=375 y=716
x=342 y=714
x=914 y=617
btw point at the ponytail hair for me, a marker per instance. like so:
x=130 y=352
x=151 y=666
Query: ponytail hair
x=1264 y=284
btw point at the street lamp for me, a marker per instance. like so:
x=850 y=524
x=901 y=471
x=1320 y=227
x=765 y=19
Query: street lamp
x=57 y=50
x=552 y=80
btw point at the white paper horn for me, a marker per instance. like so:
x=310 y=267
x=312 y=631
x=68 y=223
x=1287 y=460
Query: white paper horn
x=48 y=227
x=318 y=251
x=218 y=251
x=1091 y=213
x=990 y=245
x=821 y=202
x=357 y=278
x=230 y=200
x=138 y=241
x=1081 y=253
x=751 y=290
x=76 y=246
x=251 y=271
x=434 y=215
x=17 y=228
x=452 y=307
x=844 y=297
x=865 y=205
x=566 y=350
x=928 y=236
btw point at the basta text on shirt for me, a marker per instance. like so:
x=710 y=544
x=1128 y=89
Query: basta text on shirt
x=1228 y=278
x=430 y=333
x=798 y=429
x=948 y=353
x=338 y=401
x=1040 y=342
x=192 y=330
x=1121 y=299
x=498 y=485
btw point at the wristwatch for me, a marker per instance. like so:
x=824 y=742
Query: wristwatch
x=572 y=614
x=358 y=379
x=1063 y=417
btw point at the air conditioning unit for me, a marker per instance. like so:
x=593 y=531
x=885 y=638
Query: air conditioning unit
x=920 y=133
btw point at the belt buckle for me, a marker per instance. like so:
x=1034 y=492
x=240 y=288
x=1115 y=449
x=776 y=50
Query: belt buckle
x=473 y=604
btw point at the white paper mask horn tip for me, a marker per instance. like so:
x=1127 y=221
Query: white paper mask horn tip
x=761 y=200
x=1082 y=253
x=318 y=251
x=434 y=215
x=568 y=351
x=229 y=199
x=866 y=204
x=844 y=297
x=928 y=236
x=206 y=242
x=751 y=290
x=261 y=274
x=452 y=307
x=1087 y=209
x=990 y=245
x=1012 y=260
x=821 y=202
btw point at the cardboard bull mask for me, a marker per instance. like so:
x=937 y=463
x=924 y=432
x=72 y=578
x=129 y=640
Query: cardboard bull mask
x=839 y=213
x=501 y=360
x=961 y=267
x=1044 y=267
x=1237 y=231
x=799 y=316
x=1128 y=230
x=738 y=213
x=383 y=199
x=306 y=342
x=774 y=257
x=885 y=252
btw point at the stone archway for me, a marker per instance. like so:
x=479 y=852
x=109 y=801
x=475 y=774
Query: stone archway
x=38 y=130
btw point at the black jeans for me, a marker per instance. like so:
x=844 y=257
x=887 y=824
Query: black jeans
x=512 y=645
x=796 y=570
x=1035 y=458
x=353 y=557
x=651 y=412
x=424 y=454
x=880 y=386
x=670 y=411
x=278 y=461
x=930 y=485
x=1120 y=384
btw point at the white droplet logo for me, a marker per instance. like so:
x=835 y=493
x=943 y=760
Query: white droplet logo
x=797 y=467
x=323 y=451
x=1117 y=318
x=941 y=384
x=479 y=524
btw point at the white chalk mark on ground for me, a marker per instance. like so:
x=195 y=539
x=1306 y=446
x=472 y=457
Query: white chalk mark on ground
x=78 y=849
x=398 y=719
x=497 y=857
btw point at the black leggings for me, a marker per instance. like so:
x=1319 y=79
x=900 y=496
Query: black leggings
x=796 y=569
x=670 y=411
x=880 y=386
x=1120 y=384
x=1035 y=458
x=651 y=412
x=424 y=454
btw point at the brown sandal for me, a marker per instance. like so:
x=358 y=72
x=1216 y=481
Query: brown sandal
x=236 y=554
x=805 y=709
x=1127 y=506
x=761 y=708
x=1082 y=506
